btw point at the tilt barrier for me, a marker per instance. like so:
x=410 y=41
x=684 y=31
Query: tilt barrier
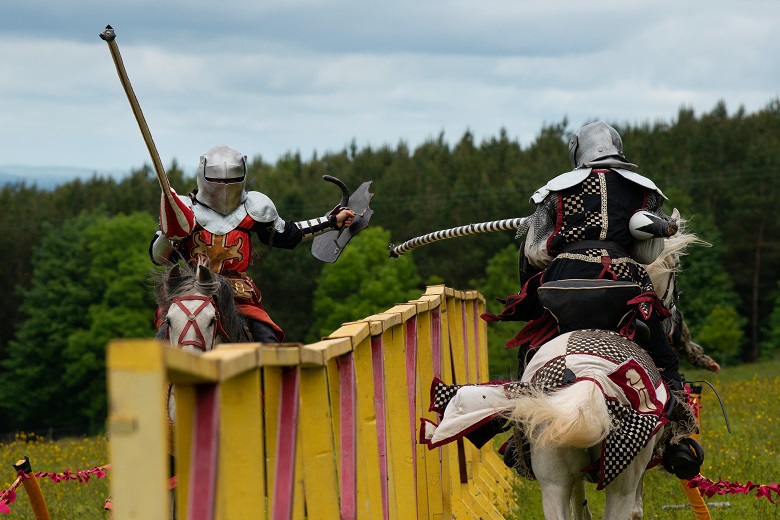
x=325 y=430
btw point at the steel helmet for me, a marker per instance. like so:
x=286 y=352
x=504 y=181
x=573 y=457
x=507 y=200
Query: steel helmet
x=594 y=141
x=221 y=179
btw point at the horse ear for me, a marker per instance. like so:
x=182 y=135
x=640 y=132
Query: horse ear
x=204 y=274
x=174 y=276
x=675 y=214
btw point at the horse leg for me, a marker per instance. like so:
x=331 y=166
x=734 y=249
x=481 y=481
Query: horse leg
x=622 y=492
x=579 y=502
x=558 y=473
x=637 y=511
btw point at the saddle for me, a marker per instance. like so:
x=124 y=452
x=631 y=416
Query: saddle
x=588 y=304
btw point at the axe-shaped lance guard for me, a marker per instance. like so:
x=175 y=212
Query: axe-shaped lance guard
x=328 y=246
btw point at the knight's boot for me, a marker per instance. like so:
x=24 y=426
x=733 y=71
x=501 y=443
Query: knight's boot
x=510 y=454
x=683 y=455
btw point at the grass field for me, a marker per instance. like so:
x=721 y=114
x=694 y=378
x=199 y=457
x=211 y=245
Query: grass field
x=751 y=394
x=65 y=499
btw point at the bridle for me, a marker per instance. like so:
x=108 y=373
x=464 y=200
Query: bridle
x=192 y=321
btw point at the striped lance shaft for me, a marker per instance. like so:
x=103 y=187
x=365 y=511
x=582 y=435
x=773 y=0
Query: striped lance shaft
x=461 y=231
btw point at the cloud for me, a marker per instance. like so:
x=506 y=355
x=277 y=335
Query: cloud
x=269 y=78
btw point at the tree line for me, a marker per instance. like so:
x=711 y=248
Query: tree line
x=74 y=271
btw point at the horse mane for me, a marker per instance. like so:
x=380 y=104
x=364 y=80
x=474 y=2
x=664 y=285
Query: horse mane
x=173 y=282
x=674 y=247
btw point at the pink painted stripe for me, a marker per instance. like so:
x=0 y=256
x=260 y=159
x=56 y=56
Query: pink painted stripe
x=465 y=342
x=286 y=434
x=348 y=477
x=411 y=389
x=377 y=361
x=436 y=341
x=475 y=317
x=203 y=457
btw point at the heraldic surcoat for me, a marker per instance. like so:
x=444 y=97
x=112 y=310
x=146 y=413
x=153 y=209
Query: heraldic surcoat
x=224 y=243
x=580 y=231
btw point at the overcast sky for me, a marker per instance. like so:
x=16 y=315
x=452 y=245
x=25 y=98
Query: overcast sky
x=269 y=78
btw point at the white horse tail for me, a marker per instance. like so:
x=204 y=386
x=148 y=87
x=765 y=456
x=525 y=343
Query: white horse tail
x=574 y=416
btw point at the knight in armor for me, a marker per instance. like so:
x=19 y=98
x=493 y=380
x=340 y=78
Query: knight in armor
x=585 y=228
x=600 y=221
x=214 y=224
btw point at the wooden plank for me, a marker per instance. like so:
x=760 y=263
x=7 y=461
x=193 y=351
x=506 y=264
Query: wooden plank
x=241 y=488
x=316 y=445
x=401 y=486
x=406 y=310
x=357 y=331
x=271 y=380
x=383 y=321
x=378 y=361
x=203 y=465
x=319 y=353
x=369 y=486
x=184 y=428
x=286 y=437
x=347 y=437
x=429 y=469
x=282 y=355
x=137 y=425
x=233 y=359
x=188 y=367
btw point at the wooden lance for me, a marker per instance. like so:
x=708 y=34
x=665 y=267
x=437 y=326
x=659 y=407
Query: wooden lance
x=461 y=231
x=109 y=36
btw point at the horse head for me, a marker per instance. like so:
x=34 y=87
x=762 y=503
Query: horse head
x=201 y=312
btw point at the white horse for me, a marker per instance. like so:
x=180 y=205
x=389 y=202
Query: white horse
x=589 y=406
x=606 y=426
x=199 y=312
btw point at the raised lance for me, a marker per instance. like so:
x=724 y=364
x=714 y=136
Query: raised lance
x=460 y=231
x=326 y=247
x=109 y=36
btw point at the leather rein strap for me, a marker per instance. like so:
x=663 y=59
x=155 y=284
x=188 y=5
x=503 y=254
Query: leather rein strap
x=192 y=321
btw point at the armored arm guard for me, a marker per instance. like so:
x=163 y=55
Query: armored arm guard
x=541 y=224
x=316 y=226
x=649 y=227
x=160 y=249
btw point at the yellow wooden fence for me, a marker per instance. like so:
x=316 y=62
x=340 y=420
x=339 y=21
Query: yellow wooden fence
x=320 y=431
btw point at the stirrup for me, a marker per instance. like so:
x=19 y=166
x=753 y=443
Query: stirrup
x=684 y=459
x=510 y=454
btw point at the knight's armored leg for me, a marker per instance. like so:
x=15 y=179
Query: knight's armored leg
x=261 y=332
x=682 y=456
x=663 y=355
x=525 y=268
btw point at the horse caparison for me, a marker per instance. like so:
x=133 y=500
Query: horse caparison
x=584 y=430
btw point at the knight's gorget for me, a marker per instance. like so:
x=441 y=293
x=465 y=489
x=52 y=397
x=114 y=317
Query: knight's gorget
x=569 y=179
x=257 y=205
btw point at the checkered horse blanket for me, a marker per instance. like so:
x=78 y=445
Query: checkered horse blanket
x=632 y=386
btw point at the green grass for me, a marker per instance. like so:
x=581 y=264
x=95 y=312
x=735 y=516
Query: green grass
x=751 y=395
x=65 y=499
